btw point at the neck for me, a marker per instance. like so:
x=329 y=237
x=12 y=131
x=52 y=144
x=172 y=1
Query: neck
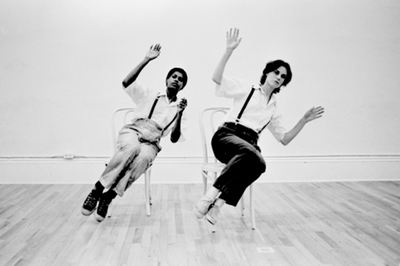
x=267 y=89
x=171 y=95
x=171 y=98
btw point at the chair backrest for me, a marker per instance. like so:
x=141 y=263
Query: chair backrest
x=120 y=118
x=210 y=119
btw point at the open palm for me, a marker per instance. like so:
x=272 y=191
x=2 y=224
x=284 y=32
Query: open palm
x=154 y=51
x=313 y=113
x=232 y=39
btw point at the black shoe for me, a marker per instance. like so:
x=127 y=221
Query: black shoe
x=102 y=208
x=90 y=203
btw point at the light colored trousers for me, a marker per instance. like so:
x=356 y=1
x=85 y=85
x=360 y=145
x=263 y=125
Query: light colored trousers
x=137 y=147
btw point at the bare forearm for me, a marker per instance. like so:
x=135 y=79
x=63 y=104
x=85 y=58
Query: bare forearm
x=219 y=71
x=176 y=130
x=289 y=136
x=132 y=76
x=310 y=115
x=232 y=42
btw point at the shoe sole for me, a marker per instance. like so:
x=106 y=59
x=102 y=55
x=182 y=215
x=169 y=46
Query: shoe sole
x=99 y=218
x=87 y=212
x=198 y=214
x=211 y=220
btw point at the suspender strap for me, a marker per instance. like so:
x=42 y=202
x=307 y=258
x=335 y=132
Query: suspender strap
x=244 y=106
x=259 y=132
x=154 y=106
x=152 y=110
x=170 y=123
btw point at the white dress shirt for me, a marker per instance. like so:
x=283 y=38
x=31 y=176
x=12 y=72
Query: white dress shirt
x=258 y=112
x=164 y=111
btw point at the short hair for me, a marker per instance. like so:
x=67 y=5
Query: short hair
x=272 y=66
x=180 y=70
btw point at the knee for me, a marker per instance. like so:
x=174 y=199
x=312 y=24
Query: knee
x=261 y=165
x=258 y=162
x=128 y=149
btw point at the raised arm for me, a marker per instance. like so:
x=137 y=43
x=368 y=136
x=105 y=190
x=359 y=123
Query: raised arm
x=152 y=54
x=310 y=115
x=232 y=42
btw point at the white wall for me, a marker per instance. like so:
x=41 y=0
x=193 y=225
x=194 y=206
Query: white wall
x=62 y=63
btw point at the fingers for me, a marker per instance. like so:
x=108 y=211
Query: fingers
x=236 y=33
x=183 y=103
x=233 y=33
x=156 y=47
x=318 y=110
x=314 y=113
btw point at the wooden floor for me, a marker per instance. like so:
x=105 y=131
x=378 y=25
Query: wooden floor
x=305 y=224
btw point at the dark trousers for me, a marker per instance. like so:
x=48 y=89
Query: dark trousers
x=236 y=146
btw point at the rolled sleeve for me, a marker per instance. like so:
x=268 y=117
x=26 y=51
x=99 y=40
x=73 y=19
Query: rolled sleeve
x=231 y=87
x=276 y=128
x=137 y=92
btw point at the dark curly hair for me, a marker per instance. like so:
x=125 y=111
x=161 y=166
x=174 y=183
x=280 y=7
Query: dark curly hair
x=272 y=66
x=180 y=70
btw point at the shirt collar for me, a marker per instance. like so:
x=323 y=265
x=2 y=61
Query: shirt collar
x=164 y=95
x=273 y=97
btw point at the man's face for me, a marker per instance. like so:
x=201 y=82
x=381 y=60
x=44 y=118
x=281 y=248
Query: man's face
x=174 y=83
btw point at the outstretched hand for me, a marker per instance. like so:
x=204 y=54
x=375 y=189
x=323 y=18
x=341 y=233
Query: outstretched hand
x=313 y=113
x=153 y=52
x=232 y=39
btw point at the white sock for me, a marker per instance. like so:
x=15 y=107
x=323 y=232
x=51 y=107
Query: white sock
x=219 y=203
x=212 y=193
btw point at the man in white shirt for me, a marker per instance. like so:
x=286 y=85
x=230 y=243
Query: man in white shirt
x=235 y=142
x=156 y=115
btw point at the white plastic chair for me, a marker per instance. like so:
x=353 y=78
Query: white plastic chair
x=120 y=118
x=210 y=119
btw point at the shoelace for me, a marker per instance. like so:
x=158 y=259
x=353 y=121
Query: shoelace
x=90 y=200
x=103 y=206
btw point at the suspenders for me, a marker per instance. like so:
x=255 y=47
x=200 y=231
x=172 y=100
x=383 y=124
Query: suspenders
x=170 y=123
x=154 y=106
x=264 y=127
x=244 y=107
x=152 y=110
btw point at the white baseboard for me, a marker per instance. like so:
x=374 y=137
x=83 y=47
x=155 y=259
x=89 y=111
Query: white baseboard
x=86 y=170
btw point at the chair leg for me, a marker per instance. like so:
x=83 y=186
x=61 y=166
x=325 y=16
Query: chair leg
x=214 y=229
x=204 y=182
x=147 y=191
x=252 y=214
x=149 y=180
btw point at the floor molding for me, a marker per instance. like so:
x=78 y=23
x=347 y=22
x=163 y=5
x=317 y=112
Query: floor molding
x=199 y=159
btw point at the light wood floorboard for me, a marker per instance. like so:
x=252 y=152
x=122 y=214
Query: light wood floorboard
x=298 y=224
